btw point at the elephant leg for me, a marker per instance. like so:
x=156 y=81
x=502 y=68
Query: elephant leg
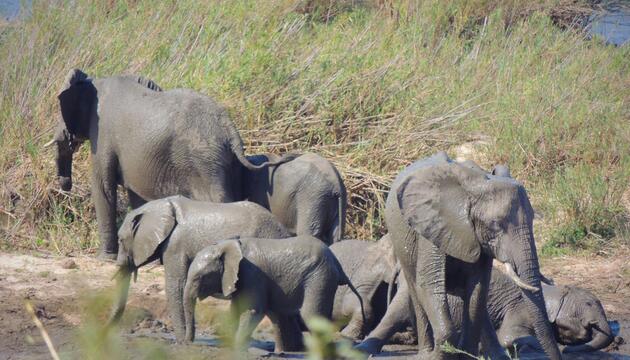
x=104 y=195
x=319 y=298
x=248 y=320
x=432 y=301
x=288 y=334
x=475 y=304
x=357 y=327
x=176 y=271
x=399 y=314
x=135 y=201
x=490 y=342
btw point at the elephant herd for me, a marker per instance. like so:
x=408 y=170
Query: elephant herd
x=266 y=231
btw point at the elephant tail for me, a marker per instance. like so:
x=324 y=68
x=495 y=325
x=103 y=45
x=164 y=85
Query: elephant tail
x=390 y=286
x=337 y=230
x=236 y=145
x=344 y=280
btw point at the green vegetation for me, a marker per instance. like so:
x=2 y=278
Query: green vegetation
x=371 y=87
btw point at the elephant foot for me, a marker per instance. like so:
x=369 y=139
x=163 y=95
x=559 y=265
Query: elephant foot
x=370 y=346
x=107 y=256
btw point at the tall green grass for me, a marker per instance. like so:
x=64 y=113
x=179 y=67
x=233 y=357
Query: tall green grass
x=370 y=87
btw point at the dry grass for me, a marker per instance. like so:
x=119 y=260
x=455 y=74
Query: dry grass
x=372 y=85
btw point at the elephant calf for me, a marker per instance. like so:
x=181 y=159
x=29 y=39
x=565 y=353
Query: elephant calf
x=280 y=278
x=307 y=194
x=174 y=230
x=577 y=316
x=372 y=268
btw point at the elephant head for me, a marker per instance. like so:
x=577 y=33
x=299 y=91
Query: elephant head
x=214 y=271
x=466 y=213
x=579 y=318
x=76 y=100
x=141 y=237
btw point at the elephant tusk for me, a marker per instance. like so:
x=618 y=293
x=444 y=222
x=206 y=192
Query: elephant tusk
x=509 y=271
x=49 y=144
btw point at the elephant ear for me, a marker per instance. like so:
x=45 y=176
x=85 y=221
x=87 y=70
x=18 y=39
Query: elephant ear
x=75 y=100
x=434 y=203
x=231 y=256
x=554 y=299
x=150 y=228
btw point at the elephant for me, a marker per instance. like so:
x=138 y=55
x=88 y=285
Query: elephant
x=307 y=194
x=154 y=143
x=281 y=278
x=373 y=273
x=448 y=222
x=174 y=230
x=576 y=315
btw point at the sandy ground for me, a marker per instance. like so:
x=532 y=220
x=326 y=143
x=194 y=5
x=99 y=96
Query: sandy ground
x=60 y=289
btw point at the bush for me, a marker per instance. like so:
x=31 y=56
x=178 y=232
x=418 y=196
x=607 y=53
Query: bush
x=373 y=88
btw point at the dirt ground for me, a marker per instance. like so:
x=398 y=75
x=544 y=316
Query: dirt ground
x=60 y=287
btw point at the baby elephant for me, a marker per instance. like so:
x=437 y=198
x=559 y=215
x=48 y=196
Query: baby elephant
x=577 y=316
x=372 y=267
x=280 y=278
x=307 y=195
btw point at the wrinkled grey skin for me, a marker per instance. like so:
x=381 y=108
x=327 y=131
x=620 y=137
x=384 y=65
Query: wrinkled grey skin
x=577 y=317
x=174 y=230
x=281 y=278
x=447 y=223
x=307 y=195
x=372 y=268
x=154 y=143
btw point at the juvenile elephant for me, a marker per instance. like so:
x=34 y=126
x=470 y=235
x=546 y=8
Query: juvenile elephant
x=154 y=143
x=174 y=230
x=447 y=222
x=307 y=194
x=372 y=269
x=280 y=278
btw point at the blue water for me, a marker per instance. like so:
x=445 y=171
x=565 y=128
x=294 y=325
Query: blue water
x=10 y=9
x=612 y=25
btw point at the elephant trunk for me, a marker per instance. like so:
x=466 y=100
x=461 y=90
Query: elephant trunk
x=602 y=337
x=122 y=291
x=64 y=168
x=526 y=264
x=191 y=291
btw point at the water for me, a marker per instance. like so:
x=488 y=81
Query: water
x=10 y=9
x=612 y=25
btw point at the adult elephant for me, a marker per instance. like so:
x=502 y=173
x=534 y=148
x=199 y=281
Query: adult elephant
x=307 y=194
x=447 y=223
x=154 y=143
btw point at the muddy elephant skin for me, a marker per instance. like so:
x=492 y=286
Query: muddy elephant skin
x=174 y=230
x=284 y=279
x=154 y=143
x=447 y=223
x=307 y=194
x=577 y=316
x=372 y=268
